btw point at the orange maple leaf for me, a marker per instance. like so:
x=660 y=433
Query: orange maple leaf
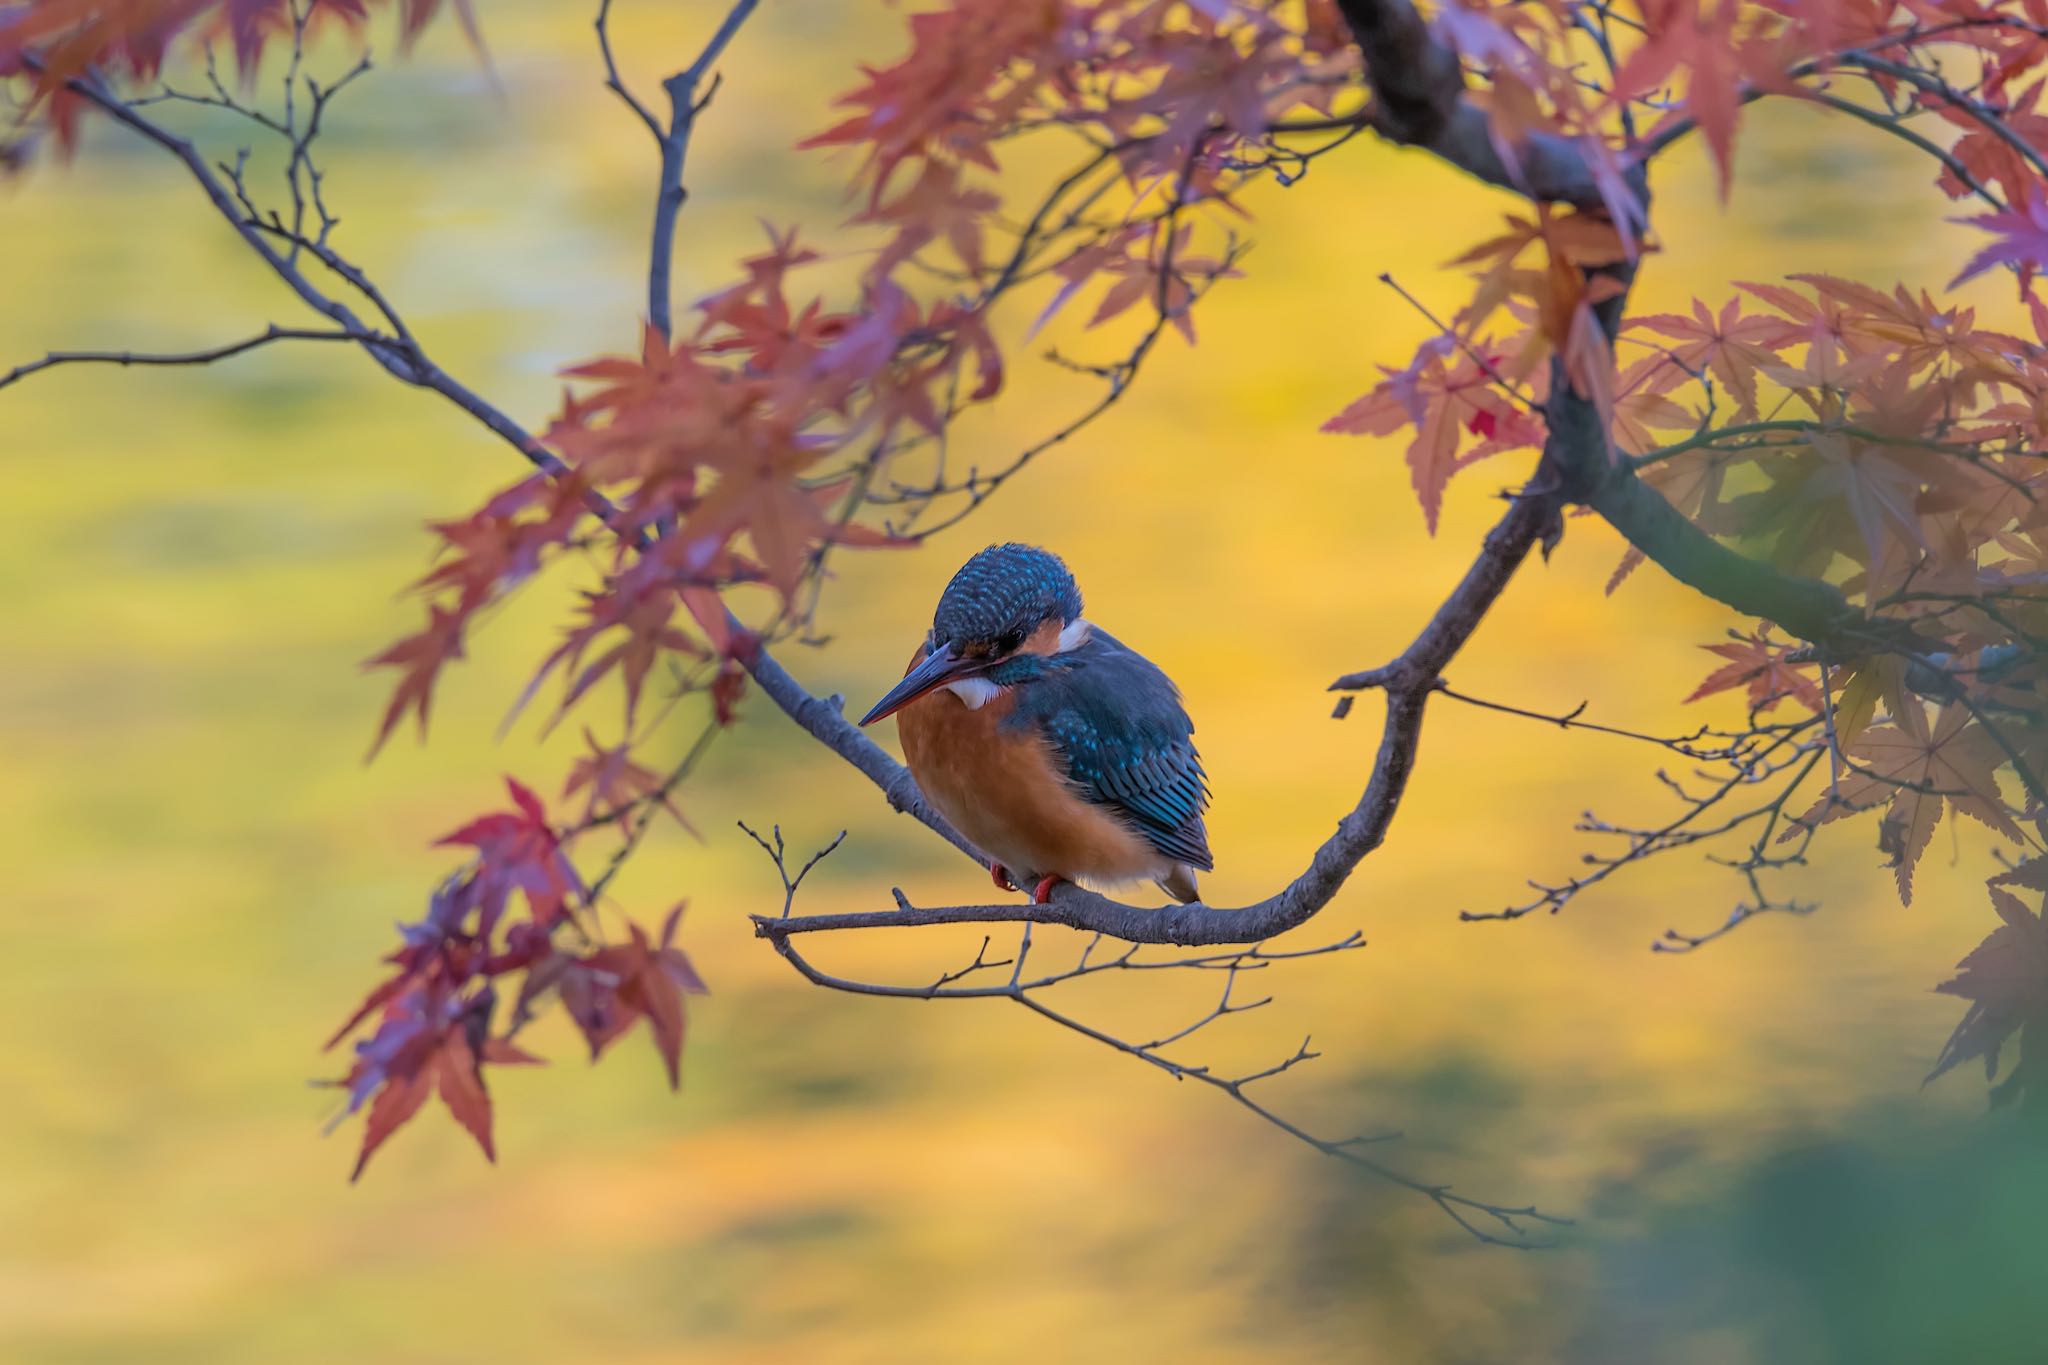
x=1917 y=774
x=1727 y=345
x=1760 y=664
x=1442 y=398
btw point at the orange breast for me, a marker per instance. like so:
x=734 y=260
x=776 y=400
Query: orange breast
x=1007 y=791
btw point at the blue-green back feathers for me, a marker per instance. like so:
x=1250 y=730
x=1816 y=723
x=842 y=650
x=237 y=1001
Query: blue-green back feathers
x=1118 y=724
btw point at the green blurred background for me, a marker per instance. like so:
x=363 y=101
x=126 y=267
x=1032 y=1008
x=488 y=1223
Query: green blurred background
x=202 y=870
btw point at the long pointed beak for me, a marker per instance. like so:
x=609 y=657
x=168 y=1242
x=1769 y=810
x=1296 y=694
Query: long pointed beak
x=935 y=670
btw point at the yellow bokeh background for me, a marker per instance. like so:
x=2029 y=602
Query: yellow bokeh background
x=202 y=870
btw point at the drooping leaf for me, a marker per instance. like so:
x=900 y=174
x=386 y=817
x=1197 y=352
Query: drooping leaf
x=421 y=657
x=2005 y=981
x=613 y=988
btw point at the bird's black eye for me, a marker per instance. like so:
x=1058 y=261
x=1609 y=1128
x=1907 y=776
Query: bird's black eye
x=1010 y=642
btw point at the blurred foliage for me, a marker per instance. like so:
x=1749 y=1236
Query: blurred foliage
x=193 y=566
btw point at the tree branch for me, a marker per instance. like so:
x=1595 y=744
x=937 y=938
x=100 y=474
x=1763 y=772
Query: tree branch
x=684 y=106
x=613 y=81
x=1575 y=444
x=1407 y=682
x=203 y=357
x=1420 y=88
x=1807 y=607
x=1488 y=1222
x=400 y=356
x=822 y=719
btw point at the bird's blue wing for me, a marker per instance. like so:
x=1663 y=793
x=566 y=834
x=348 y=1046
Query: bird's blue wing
x=1118 y=723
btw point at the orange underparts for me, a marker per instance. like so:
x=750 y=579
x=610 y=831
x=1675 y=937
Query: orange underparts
x=1007 y=790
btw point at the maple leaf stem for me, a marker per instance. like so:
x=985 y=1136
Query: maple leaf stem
x=651 y=805
x=1866 y=59
x=1463 y=342
x=1715 y=438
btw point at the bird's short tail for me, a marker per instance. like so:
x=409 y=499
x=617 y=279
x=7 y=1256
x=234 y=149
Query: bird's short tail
x=1180 y=884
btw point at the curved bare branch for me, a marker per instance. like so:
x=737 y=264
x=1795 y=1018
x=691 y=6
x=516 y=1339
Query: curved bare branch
x=206 y=356
x=1407 y=683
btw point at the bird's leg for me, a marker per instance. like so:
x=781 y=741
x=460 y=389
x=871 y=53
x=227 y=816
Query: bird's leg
x=1000 y=875
x=1042 y=893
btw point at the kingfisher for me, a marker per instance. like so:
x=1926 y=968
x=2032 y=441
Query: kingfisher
x=1060 y=753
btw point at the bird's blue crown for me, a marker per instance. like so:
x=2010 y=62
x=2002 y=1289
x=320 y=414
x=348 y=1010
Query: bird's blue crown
x=1005 y=590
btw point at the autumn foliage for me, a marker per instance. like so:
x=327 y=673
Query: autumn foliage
x=1878 y=440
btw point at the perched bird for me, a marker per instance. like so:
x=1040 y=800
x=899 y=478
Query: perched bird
x=1058 y=752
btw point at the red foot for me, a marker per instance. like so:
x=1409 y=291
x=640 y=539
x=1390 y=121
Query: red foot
x=1000 y=875
x=1042 y=893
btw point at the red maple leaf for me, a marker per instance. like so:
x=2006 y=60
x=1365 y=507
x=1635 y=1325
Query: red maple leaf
x=1987 y=155
x=429 y=1039
x=518 y=850
x=421 y=656
x=615 y=781
x=1685 y=36
x=2021 y=240
x=609 y=991
x=1760 y=664
x=1441 y=396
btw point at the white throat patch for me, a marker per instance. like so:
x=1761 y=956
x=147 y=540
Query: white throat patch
x=975 y=692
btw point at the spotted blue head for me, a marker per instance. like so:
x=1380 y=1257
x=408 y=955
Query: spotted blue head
x=1007 y=600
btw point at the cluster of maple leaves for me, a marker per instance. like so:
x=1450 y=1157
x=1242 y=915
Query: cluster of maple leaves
x=736 y=452
x=733 y=453
x=1882 y=440
x=51 y=43
x=1885 y=441
x=437 y=1025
